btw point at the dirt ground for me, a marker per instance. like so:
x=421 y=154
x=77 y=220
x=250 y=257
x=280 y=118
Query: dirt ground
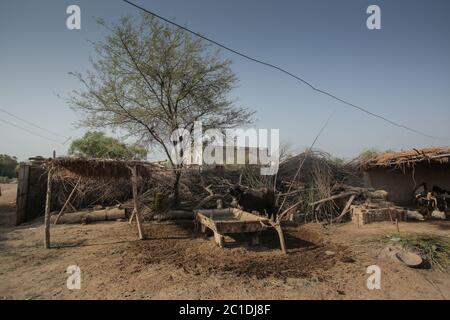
x=176 y=263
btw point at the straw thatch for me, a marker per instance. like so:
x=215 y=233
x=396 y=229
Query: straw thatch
x=101 y=168
x=409 y=157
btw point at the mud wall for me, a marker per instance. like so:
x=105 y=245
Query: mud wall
x=400 y=184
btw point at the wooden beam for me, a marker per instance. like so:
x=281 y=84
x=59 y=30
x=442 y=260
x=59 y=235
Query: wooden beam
x=48 y=201
x=346 y=208
x=136 y=211
x=341 y=195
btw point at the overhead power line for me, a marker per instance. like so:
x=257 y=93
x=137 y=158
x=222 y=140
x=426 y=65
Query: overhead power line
x=362 y=109
x=29 y=131
x=34 y=125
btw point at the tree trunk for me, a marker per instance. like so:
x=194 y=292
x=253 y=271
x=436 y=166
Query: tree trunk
x=176 y=190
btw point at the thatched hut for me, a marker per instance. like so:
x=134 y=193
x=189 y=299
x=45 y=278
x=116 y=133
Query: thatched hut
x=103 y=182
x=400 y=173
x=96 y=169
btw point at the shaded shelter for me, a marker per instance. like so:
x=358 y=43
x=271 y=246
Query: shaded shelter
x=99 y=169
x=400 y=173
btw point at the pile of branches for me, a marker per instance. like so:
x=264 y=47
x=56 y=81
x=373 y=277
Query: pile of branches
x=319 y=193
x=321 y=177
x=87 y=192
x=208 y=186
x=195 y=187
x=321 y=190
x=338 y=170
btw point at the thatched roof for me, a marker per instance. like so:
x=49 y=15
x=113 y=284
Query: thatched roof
x=101 y=168
x=409 y=157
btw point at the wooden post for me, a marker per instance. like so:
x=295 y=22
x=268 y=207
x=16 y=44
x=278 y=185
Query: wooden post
x=346 y=208
x=67 y=201
x=131 y=218
x=220 y=239
x=254 y=239
x=277 y=227
x=157 y=201
x=134 y=183
x=48 y=202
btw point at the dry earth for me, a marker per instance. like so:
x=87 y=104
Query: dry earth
x=177 y=263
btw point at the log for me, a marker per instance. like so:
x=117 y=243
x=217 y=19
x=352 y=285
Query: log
x=208 y=198
x=175 y=215
x=110 y=214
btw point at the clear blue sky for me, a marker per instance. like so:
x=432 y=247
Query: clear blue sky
x=401 y=71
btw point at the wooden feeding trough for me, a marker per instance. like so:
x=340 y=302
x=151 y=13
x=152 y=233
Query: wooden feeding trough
x=231 y=221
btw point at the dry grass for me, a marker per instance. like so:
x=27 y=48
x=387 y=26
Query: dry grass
x=409 y=156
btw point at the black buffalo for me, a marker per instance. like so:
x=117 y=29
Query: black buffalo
x=262 y=200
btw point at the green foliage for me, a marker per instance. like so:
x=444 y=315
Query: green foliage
x=8 y=166
x=98 y=145
x=150 y=79
x=436 y=249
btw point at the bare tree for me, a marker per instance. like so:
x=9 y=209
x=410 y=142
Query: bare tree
x=150 y=79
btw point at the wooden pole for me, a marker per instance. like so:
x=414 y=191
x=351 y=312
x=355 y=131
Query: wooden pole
x=48 y=201
x=134 y=182
x=157 y=201
x=346 y=208
x=67 y=201
x=277 y=227
x=131 y=218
